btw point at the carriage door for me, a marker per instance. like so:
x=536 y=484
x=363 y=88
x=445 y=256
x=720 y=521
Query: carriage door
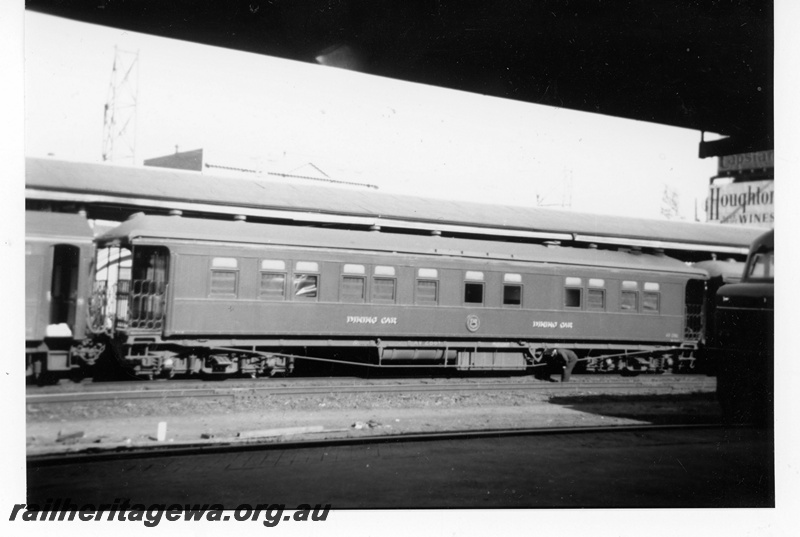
x=695 y=292
x=64 y=285
x=148 y=287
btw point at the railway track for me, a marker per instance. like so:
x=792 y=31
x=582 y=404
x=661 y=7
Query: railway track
x=177 y=390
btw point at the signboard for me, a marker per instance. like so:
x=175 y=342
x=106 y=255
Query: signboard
x=746 y=161
x=751 y=203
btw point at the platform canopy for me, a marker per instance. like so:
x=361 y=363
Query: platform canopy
x=114 y=192
x=704 y=65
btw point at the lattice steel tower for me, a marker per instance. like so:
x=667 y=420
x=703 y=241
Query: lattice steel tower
x=119 y=113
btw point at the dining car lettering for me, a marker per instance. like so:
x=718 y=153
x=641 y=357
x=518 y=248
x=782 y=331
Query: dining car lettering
x=552 y=324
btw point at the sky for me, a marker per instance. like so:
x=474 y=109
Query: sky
x=403 y=137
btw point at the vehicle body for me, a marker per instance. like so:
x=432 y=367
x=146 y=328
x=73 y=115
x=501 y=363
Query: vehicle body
x=720 y=272
x=58 y=256
x=183 y=295
x=743 y=342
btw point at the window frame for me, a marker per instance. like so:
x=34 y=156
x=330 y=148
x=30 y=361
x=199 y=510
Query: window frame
x=261 y=295
x=569 y=288
x=573 y=283
x=437 y=288
x=352 y=300
x=602 y=292
x=630 y=287
x=635 y=294
x=220 y=268
x=298 y=273
x=379 y=300
x=481 y=285
x=657 y=295
x=520 y=287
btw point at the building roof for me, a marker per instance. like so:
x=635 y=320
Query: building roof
x=161 y=190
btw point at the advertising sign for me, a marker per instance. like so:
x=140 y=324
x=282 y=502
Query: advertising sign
x=746 y=161
x=751 y=203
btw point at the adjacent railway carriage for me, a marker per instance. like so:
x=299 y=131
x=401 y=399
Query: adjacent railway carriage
x=180 y=295
x=58 y=255
x=743 y=341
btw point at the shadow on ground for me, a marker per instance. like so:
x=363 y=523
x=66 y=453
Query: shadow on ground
x=662 y=409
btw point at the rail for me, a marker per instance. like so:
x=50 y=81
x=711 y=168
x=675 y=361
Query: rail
x=662 y=384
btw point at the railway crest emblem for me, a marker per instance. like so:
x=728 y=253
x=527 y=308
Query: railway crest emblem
x=473 y=323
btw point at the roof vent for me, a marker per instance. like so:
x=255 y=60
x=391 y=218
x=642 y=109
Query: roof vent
x=552 y=244
x=240 y=218
x=436 y=233
x=374 y=227
x=175 y=212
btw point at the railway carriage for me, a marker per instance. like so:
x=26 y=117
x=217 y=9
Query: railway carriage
x=180 y=295
x=58 y=256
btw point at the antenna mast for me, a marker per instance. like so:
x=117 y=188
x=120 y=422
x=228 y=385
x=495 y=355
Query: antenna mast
x=119 y=112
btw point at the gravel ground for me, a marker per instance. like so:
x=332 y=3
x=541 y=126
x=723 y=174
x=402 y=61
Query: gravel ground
x=254 y=418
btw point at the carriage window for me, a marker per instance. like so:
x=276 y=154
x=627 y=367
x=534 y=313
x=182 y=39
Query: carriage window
x=473 y=287
x=305 y=286
x=383 y=290
x=306 y=266
x=224 y=282
x=224 y=276
x=427 y=292
x=473 y=293
x=512 y=295
x=273 y=264
x=596 y=294
x=225 y=262
x=572 y=298
x=273 y=286
x=572 y=292
x=352 y=289
x=650 y=302
x=596 y=299
x=353 y=269
x=629 y=301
